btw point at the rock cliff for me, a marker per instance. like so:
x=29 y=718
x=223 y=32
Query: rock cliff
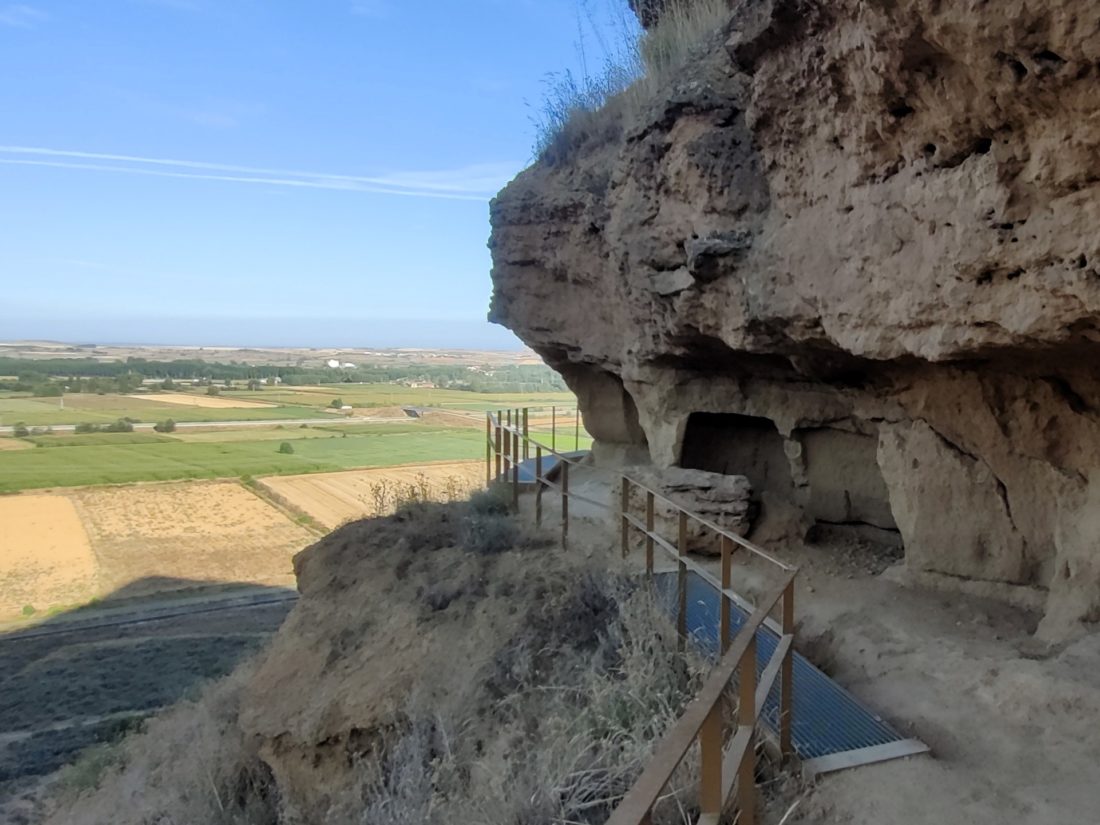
x=848 y=251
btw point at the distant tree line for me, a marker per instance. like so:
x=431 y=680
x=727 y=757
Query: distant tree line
x=52 y=376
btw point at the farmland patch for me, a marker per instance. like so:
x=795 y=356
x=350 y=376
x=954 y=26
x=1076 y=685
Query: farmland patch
x=148 y=537
x=211 y=402
x=46 y=558
x=334 y=498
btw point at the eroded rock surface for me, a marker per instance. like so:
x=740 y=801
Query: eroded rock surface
x=724 y=500
x=876 y=219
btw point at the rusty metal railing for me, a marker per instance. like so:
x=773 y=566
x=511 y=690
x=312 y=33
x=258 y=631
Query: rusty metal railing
x=727 y=751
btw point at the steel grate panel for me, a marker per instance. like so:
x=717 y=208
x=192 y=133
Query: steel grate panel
x=827 y=719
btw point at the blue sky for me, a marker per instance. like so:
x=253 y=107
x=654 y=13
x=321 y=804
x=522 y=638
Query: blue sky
x=298 y=172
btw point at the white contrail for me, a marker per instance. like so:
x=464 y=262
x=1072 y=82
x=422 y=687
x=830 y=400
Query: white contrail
x=469 y=183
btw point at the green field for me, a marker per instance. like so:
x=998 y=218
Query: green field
x=97 y=439
x=393 y=395
x=116 y=463
x=104 y=409
x=287 y=403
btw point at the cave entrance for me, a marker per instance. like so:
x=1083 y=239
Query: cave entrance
x=735 y=444
x=848 y=496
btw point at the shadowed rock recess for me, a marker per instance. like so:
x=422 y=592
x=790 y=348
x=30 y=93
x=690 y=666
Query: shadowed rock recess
x=850 y=253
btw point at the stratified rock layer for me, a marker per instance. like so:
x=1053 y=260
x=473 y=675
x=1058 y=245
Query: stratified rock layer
x=861 y=237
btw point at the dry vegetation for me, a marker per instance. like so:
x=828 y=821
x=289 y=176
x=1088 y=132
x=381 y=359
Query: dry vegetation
x=60 y=550
x=598 y=105
x=535 y=690
x=45 y=556
x=335 y=498
x=144 y=536
x=209 y=402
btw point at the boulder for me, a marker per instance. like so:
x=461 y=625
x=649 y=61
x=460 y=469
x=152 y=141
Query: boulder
x=725 y=500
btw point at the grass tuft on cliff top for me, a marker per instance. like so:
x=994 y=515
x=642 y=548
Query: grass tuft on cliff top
x=634 y=66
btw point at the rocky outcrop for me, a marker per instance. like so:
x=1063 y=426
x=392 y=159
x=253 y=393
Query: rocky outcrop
x=874 y=221
x=723 y=500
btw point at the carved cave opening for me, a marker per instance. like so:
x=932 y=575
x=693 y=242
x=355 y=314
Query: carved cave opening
x=847 y=492
x=735 y=444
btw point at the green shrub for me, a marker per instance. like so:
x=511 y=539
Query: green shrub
x=123 y=425
x=28 y=610
x=20 y=430
x=286 y=448
x=212 y=390
x=166 y=426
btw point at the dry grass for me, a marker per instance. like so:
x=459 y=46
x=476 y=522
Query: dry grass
x=145 y=536
x=335 y=498
x=191 y=761
x=45 y=556
x=575 y=742
x=596 y=107
x=559 y=682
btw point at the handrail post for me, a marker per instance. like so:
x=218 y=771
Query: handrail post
x=488 y=449
x=499 y=446
x=554 y=428
x=649 y=532
x=724 y=636
x=515 y=472
x=538 y=486
x=624 y=525
x=564 y=502
x=681 y=581
x=746 y=715
x=710 y=762
x=786 y=679
x=526 y=435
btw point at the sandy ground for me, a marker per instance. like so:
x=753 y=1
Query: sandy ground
x=212 y=402
x=46 y=559
x=15 y=444
x=1012 y=724
x=334 y=498
x=156 y=537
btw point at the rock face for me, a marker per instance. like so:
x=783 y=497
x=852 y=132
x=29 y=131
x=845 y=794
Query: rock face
x=849 y=252
x=724 y=500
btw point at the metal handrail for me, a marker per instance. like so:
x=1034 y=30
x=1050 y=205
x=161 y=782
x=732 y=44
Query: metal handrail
x=723 y=767
x=705 y=522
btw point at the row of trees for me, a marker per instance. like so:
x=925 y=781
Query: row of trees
x=50 y=377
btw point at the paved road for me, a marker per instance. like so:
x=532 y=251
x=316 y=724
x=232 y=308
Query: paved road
x=230 y=425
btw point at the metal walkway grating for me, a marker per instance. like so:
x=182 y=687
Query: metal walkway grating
x=830 y=728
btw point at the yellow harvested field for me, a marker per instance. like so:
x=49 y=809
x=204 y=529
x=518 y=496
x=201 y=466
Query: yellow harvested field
x=15 y=444
x=213 y=402
x=155 y=537
x=45 y=555
x=335 y=498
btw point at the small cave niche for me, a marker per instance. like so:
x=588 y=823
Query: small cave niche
x=734 y=444
x=848 y=494
x=609 y=413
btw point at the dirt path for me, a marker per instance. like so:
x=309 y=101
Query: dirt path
x=1011 y=726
